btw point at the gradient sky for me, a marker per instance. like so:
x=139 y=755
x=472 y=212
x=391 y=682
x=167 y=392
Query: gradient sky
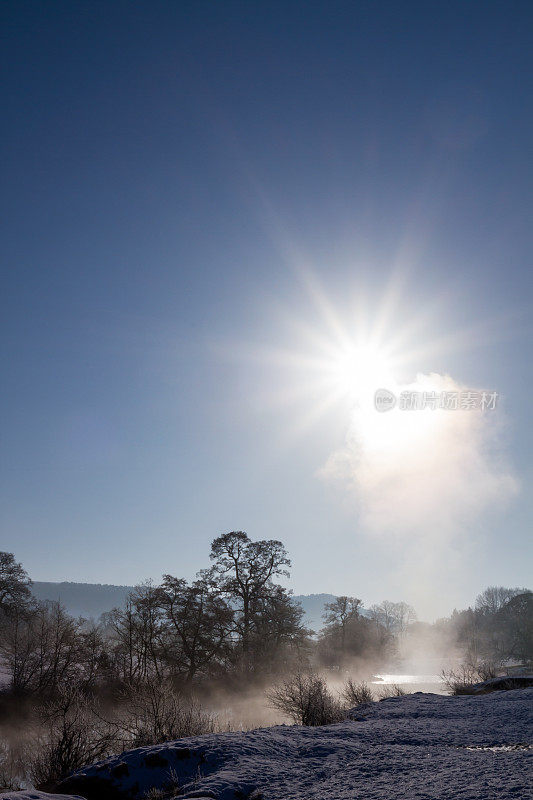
x=178 y=179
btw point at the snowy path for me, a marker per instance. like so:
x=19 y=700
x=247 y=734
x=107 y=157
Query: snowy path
x=408 y=747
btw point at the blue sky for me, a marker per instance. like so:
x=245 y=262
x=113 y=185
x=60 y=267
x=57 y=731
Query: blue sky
x=176 y=176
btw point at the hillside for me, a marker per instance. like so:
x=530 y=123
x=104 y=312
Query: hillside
x=422 y=746
x=92 y=599
x=82 y=599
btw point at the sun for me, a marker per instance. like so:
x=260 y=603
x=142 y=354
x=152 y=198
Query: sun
x=326 y=362
x=360 y=368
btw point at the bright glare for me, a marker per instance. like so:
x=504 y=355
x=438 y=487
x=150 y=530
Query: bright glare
x=397 y=433
x=361 y=369
x=337 y=361
x=358 y=372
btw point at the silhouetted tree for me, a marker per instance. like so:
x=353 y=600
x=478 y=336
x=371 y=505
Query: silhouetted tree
x=243 y=572
x=280 y=640
x=338 y=614
x=15 y=585
x=197 y=624
x=395 y=617
x=137 y=632
x=498 y=629
x=349 y=635
x=41 y=648
x=494 y=598
x=516 y=620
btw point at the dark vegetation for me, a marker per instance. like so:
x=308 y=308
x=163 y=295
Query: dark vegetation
x=76 y=690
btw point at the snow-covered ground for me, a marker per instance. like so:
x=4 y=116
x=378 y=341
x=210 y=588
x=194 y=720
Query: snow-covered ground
x=421 y=746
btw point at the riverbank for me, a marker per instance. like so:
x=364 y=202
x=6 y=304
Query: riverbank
x=417 y=746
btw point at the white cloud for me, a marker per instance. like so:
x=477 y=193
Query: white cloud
x=419 y=478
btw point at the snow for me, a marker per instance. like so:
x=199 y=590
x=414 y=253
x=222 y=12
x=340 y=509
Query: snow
x=504 y=682
x=33 y=794
x=416 y=747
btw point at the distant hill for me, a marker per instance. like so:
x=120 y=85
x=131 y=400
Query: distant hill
x=83 y=599
x=313 y=606
x=92 y=599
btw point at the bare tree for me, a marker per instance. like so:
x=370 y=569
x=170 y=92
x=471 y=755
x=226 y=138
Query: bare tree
x=15 y=585
x=515 y=620
x=243 y=571
x=40 y=647
x=394 y=617
x=494 y=598
x=92 y=654
x=339 y=613
x=137 y=632
x=280 y=639
x=198 y=624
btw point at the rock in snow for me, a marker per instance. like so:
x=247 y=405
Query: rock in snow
x=421 y=746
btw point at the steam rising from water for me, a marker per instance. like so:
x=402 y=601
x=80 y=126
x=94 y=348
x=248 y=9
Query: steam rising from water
x=419 y=479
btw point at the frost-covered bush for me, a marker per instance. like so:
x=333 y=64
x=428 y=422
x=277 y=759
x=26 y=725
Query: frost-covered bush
x=356 y=694
x=392 y=690
x=464 y=679
x=155 y=712
x=306 y=700
x=71 y=734
x=11 y=767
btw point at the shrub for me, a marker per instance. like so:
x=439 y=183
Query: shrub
x=11 y=768
x=71 y=735
x=464 y=679
x=305 y=699
x=392 y=690
x=356 y=694
x=155 y=712
x=459 y=681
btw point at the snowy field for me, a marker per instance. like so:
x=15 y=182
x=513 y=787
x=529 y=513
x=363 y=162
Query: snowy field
x=421 y=746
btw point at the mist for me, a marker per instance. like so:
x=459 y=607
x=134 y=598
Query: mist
x=421 y=482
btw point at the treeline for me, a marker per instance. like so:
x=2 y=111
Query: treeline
x=74 y=691
x=498 y=630
x=235 y=623
x=233 y=617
